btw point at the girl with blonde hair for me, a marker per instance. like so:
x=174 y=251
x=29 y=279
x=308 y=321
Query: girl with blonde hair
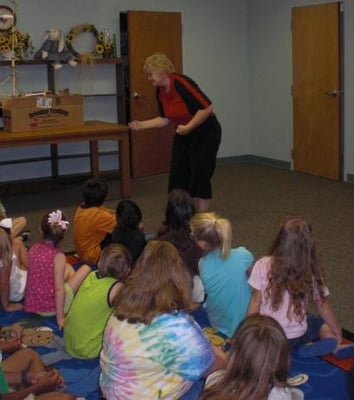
x=223 y=271
x=19 y=263
x=198 y=132
x=152 y=348
x=6 y=253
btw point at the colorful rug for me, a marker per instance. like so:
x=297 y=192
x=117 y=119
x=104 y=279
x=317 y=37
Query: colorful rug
x=347 y=364
x=326 y=381
x=43 y=335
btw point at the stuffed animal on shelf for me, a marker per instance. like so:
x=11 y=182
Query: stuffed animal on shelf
x=54 y=49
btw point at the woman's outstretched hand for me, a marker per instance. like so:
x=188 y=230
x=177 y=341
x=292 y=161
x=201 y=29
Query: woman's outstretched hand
x=135 y=125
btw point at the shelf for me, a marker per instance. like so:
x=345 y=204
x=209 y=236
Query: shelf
x=44 y=62
x=100 y=94
x=59 y=157
x=118 y=92
x=23 y=62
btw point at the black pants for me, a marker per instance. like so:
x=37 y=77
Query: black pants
x=193 y=161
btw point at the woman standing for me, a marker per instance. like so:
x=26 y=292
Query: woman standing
x=198 y=132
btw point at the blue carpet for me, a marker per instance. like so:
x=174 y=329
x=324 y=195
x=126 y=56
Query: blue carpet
x=326 y=382
x=81 y=376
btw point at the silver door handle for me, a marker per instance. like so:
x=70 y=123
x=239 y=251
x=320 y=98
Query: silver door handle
x=136 y=95
x=333 y=92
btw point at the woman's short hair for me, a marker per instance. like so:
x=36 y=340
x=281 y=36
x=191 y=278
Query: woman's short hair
x=159 y=283
x=158 y=62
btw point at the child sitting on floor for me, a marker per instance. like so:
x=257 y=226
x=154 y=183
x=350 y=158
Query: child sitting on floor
x=286 y=281
x=152 y=348
x=51 y=281
x=176 y=229
x=26 y=377
x=5 y=270
x=94 y=302
x=129 y=229
x=257 y=367
x=18 y=223
x=18 y=274
x=223 y=271
x=93 y=223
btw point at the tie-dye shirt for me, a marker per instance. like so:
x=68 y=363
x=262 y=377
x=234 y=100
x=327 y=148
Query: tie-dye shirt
x=160 y=360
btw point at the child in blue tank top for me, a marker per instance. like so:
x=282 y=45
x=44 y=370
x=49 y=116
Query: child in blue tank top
x=223 y=271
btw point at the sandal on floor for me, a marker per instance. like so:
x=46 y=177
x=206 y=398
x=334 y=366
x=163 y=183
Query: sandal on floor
x=297 y=380
x=344 y=351
x=319 y=348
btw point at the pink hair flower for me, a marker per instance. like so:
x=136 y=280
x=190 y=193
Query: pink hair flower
x=56 y=217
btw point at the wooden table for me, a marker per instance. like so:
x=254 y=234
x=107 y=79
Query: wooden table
x=91 y=131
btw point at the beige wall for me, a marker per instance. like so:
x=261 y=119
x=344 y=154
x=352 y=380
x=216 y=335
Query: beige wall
x=239 y=51
x=270 y=77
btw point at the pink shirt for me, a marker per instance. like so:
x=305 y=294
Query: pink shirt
x=40 y=288
x=259 y=281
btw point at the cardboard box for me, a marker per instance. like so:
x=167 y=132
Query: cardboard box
x=27 y=113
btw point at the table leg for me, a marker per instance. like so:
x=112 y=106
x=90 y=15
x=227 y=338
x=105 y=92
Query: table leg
x=124 y=166
x=95 y=169
x=54 y=160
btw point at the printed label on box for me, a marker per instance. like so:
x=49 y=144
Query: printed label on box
x=44 y=102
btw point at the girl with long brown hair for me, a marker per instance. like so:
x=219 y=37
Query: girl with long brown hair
x=286 y=281
x=152 y=348
x=258 y=365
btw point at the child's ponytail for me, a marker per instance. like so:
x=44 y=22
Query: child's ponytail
x=53 y=226
x=214 y=230
x=224 y=231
